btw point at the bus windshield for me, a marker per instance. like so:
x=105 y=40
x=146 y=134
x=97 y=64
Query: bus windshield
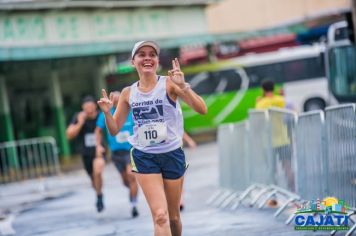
x=342 y=71
x=341 y=67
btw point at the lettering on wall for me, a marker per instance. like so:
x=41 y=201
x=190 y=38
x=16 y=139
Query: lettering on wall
x=47 y=28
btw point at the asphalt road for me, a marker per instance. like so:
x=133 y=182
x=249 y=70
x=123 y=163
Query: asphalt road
x=64 y=205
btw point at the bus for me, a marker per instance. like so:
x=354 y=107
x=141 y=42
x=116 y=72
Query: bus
x=231 y=87
x=341 y=62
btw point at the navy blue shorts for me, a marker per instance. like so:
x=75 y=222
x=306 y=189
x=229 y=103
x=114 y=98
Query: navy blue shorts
x=171 y=164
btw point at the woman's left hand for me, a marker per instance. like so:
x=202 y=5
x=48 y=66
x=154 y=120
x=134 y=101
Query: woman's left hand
x=176 y=75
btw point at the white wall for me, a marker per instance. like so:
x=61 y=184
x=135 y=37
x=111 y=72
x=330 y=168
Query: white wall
x=241 y=15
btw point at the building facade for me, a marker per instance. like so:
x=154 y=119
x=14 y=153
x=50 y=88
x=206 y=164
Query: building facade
x=52 y=53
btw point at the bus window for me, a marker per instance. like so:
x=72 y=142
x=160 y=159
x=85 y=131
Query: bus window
x=306 y=68
x=257 y=74
x=341 y=34
x=303 y=69
x=215 y=82
x=229 y=80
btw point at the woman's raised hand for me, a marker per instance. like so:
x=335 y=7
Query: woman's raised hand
x=176 y=75
x=105 y=103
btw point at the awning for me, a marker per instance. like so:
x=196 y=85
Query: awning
x=107 y=48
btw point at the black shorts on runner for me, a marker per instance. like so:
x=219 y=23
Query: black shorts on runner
x=88 y=162
x=121 y=159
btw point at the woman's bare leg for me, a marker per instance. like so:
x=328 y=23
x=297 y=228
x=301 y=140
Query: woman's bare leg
x=153 y=189
x=173 y=189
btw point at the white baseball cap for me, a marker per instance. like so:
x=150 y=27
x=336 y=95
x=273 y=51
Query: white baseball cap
x=141 y=44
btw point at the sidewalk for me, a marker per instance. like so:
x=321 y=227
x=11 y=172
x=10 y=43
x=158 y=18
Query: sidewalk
x=64 y=205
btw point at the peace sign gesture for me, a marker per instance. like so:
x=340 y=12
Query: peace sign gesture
x=105 y=103
x=176 y=75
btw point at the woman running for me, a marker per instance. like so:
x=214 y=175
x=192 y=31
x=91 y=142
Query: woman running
x=156 y=157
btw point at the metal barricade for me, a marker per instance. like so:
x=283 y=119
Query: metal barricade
x=282 y=124
x=311 y=156
x=225 y=144
x=28 y=158
x=232 y=153
x=233 y=167
x=239 y=163
x=259 y=148
x=340 y=124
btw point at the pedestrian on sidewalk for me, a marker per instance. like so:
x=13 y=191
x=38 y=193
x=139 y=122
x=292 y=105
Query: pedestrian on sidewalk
x=83 y=126
x=269 y=98
x=281 y=142
x=120 y=150
x=157 y=157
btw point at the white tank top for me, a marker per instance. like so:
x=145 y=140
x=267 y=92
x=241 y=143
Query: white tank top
x=158 y=120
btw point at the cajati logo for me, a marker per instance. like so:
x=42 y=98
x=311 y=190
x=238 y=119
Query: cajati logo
x=327 y=214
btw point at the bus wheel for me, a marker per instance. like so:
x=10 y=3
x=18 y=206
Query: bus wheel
x=314 y=104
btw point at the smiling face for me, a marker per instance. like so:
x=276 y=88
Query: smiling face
x=146 y=60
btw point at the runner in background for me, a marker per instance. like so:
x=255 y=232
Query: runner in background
x=82 y=127
x=120 y=151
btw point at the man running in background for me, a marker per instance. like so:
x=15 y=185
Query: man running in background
x=83 y=126
x=120 y=150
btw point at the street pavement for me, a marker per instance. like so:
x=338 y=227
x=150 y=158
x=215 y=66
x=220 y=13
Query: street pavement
x=65 y=205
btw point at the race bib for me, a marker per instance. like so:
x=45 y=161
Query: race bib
x=122 y=137
x=152 y=134
x=89 y=140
